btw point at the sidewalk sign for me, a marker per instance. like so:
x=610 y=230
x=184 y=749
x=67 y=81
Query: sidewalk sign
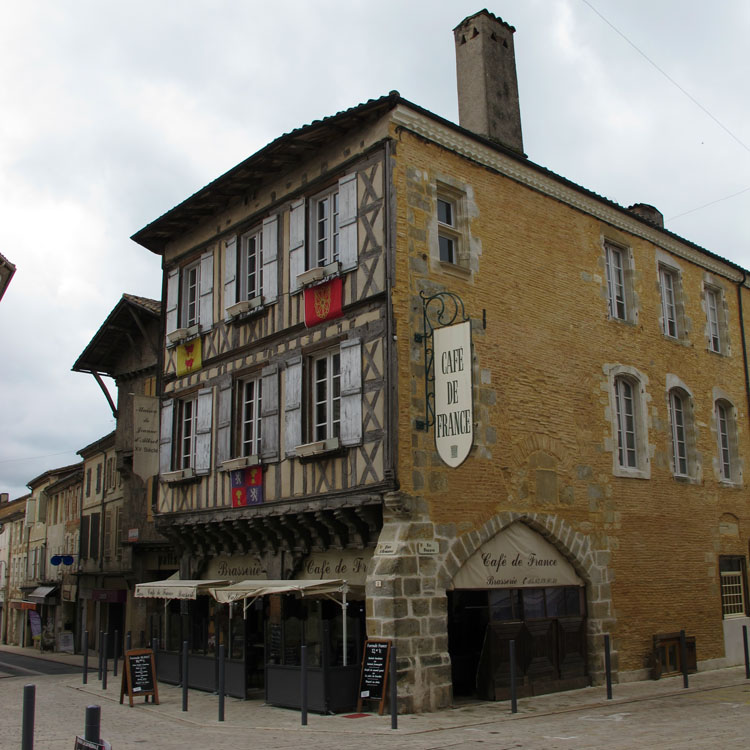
x=374 y=676
x=82 y=744
x=139 y=675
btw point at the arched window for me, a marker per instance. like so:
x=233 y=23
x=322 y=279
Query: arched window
x=627 y=432
x=629 y=420
x=679 y=427
x=726 y=436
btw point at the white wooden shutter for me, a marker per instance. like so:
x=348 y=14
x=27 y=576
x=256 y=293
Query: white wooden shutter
x=293 y=405
x=270 y=256
x=351 y=392
x=296 y=242
x=173 y=299
x=230 y=273
x=269 y=413
x=224 y=422
x=165 y=436
x=203 y=431
x=348 y=222
x=207 y=291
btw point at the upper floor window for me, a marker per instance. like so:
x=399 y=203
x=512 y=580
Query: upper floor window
x=323 y=232
x=726 y=435
x=185 y=436
x=325 y=228
x=616 y=267
x=627 y=453
x=250 y=393
x=187 y=424
x=251 y=265
x=629 y=423
x=447 y=235
x=714 y=319
x=329 y=391
x=251 y=273
x=326 y=400
x=190 y=296
x=681 y=430
x=668 y=281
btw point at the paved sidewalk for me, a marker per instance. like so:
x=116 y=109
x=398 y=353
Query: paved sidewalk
x=676 y=714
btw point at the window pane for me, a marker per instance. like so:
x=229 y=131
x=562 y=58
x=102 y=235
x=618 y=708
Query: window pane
x=445 y=212
x=447 y=249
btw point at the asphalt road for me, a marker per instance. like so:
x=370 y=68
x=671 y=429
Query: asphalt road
x=20 y=665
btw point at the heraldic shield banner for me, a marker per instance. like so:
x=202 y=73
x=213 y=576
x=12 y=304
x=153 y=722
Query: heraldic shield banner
x=323 y=302
x=247 y=487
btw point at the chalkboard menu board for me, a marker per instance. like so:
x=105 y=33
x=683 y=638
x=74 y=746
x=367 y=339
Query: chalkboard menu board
x=139 y=675
x=374 y=676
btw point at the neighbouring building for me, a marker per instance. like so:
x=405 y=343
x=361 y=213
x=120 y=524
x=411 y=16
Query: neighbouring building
x=399 y=353
x=13 y=541
x=119 y=545
x=42 y=583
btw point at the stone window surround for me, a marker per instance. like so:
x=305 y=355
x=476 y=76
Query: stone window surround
x=643 y=448
x=735 y=480
x=694 y=467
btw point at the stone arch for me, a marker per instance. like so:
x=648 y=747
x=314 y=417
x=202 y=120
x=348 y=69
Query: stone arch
x=591 y=564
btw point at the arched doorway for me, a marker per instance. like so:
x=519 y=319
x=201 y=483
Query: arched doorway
x=517 y=587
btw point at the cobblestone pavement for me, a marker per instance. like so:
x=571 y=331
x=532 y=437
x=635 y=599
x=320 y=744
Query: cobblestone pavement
x=714 y=712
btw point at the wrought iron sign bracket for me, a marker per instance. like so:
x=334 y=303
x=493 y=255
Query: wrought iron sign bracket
x=438 y=310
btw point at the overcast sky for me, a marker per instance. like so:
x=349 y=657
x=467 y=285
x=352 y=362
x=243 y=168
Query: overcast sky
x=113 y=112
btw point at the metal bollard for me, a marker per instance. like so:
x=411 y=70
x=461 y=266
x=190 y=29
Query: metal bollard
x=394 y=689
x=105 y=644
x=513 y=696
x=184 y=675
x=303 y=684
x=92 y=727
x=27 y=732
x=116 y=653
x=85 y=649
x=683 y=658
x=101 y=654
x=608 y=667
x=222 y=674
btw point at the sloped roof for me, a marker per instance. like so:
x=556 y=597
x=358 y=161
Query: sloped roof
x=293 y=147
x=117 y=334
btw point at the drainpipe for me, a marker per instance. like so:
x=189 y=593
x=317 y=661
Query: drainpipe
x=742 y=334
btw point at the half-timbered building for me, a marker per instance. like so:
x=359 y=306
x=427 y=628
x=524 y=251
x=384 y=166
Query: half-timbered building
x=399 y=353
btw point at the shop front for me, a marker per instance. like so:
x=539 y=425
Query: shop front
x=517 y=588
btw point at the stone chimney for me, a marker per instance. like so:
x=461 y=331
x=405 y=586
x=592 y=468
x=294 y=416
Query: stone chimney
x=649 y=213
x=487 y=83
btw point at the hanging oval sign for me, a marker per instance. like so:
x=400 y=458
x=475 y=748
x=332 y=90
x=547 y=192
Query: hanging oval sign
x=67 y=559
x=454 y=405
x=55 y=560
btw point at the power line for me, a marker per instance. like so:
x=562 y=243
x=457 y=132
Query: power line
x=711 y=203
x=669 y=78
x=35 y=458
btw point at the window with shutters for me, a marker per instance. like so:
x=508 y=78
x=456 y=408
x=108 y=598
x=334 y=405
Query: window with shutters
x=187 y=428
x=251 y=270
x=118 y=534
x=107 y=545
x=189 y=308
x=94 y=536
x=185 y=436
x=250 y=396
x=323 y=234
x=629 y=423
x=329 y=391
x=326 y=396
x=618 y=273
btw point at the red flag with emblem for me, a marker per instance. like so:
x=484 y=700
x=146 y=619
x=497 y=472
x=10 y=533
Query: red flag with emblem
x=323 y=302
